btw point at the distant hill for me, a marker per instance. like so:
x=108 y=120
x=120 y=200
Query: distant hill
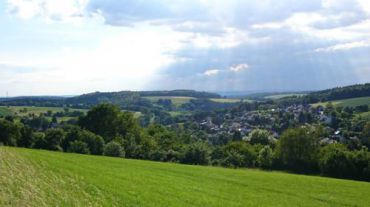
x=353 y=91
x=338 y=93
x=134 y=100
x=188 y=93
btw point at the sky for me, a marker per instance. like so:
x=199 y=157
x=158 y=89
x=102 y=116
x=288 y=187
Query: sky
x=70 y=47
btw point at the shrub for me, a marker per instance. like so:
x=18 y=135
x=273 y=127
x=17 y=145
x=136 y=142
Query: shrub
x=335 y=161
x=94 y=142
x=53 y=139
x=238 y=154
x=9 y=133
x=114 y=149
x=298 y=149
x=197 y=153
x=78 y=146
x=265 y=157
x=39 y=140
x=260 y=136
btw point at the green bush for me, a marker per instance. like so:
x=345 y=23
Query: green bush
x=114 y=149
x=335 y=161
x=260 y=136
x=298 y=149
x=9 y=133
x=238 y=154
x=78 y=146
x=53 y=139
x=197 y=153
x=265 y=157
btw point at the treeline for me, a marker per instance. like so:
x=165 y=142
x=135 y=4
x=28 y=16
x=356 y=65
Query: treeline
x=106 y=130
x=353 y=91
x=122 y=98
x=187 y=93
x=33 y=101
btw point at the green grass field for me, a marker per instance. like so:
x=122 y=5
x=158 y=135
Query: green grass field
x=176 y=100
x=19 y=110
x=364 y=115
x=352 y=102
x=179 y=100
x=226 y=100
x=43 y=178
x=5 y=111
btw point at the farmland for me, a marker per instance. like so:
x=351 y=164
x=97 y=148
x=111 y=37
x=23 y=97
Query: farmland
x=65 y=179
x=176 y=100
x=179 y=100
x=25 y=110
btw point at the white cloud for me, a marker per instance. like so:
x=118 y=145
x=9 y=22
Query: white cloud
x=344 y=46
x=239 y=67
x=212 y=72
x=56 y=10
x=181 y=39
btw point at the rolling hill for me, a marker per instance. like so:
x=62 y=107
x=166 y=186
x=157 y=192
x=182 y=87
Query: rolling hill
x=44 y=178
x=351 y=102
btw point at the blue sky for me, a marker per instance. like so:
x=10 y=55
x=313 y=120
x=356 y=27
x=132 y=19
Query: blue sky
x=67 y=47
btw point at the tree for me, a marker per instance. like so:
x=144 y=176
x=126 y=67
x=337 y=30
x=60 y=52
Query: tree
x=27 y=138
x=238 y=154
x=197 y=153
x=260 y=136
x=114 y=149
x=335 y=161
x=39 y=140
x=9 y=133
x=94 y=142
x=298 y=149
x=365 y=135
x=78 y=146
x=265 y=157
x=108 y=121
x=53 y=139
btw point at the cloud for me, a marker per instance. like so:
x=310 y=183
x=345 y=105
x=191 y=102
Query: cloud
x=344 y=46
x=56 y=10
x=239 y=67
x=243 y=44
x=212 y=72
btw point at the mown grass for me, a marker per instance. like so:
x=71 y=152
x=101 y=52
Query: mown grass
x=352 y=102
x=43 y=178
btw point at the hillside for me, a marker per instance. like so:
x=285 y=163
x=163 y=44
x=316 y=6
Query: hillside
x=351 y=102
x=43 y=178
x=333 y=94
x=353 y=91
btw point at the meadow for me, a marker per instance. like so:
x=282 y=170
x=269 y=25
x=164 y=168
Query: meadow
x=364 y=115
x=180 y=100
x=26 y=110
x=44 y=178
x=176 y=100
